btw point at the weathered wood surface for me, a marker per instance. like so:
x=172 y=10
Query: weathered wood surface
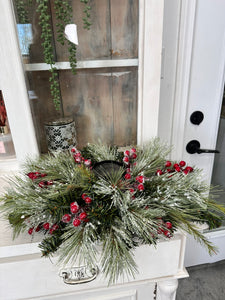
x=124 y=28
x=113 y=33
x=103 y=102
x=42 y=107
x=104 y=106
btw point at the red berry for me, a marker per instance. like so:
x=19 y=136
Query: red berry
x=76 y=222
x=127 y=153
x=74 y=207
x=46 y=226
x=38 y=228
x=126 y=159
x=134 y=156
x=178 y=169
x=30 y=231
x=73 y=150
x=42 y=184
x=87 y=162
x=189 y=169
x=167 y=233
x=83 y=216
x=169 y=170
x=77 y=159
x=159 y=230
x=43 y=175
x=128 y=170
x=140 y=179
x=53 y=228
x=32 y=175
x=168 y=164
x=168 y=225
x=83 y=196
x=185 y=172
x=88 y=200
x=141 y=187
x=133 y=150
x=132 y=191
x=127 y=176
x=182 y=163
x=49 y=182
x=66 y=218
x=176 y=166
x=159 y=172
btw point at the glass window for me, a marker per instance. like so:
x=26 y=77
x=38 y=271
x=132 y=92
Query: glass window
x=6 y=144
x=102 y=100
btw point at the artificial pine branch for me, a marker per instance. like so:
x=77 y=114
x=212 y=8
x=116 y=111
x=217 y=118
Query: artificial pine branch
x=80 y=204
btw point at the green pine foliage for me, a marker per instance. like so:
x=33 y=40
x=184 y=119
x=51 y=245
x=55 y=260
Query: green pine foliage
x=95 y=206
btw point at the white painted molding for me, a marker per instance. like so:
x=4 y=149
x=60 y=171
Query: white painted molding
x=150 y=47
x=167 y=289
x=16 y=97
x=215 y=234
x=187 y=25
x=8 y=165
x=171 y=29
x=85 y=64
x=19 y=250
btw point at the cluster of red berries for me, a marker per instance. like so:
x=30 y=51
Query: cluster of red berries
x=43 y=183
x=129 y=156
x=46 y=226
x=78 y=158
x=178 y=167
x=78 y=212
x=36 y=175
x=165 y=228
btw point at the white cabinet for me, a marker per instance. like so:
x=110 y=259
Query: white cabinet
x=25 y=275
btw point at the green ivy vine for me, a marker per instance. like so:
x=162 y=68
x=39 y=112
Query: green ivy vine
x=64 y=13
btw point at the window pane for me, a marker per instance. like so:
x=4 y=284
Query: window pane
x=6 y=144
x=102 y=102
x=113 y=33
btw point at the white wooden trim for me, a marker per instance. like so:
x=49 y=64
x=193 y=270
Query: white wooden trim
x=16 y=97
x=187 y=26
x=85 y=64
x=215 y=233
x=171 y=29
x=19 y=250
x=8 y=165
x=150 y=47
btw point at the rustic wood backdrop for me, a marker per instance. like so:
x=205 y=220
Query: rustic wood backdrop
x=103 y=102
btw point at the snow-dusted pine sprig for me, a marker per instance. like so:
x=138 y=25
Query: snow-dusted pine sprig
x=100 y=152
x=118 y=200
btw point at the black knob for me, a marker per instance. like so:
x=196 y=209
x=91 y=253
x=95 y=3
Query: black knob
x=194 y=147
x=196 y=117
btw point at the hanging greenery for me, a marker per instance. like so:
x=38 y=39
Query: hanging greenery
x=63 y=11
x=101 y=196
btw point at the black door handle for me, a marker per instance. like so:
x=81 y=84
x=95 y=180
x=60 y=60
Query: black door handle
x=195 y=147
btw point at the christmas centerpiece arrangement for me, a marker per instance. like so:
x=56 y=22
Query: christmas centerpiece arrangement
x=100 y=197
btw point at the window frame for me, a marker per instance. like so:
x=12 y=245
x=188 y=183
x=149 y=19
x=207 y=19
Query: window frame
x=149 y=70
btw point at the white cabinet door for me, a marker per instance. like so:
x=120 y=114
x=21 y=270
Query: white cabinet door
x=200 y=84
x=25 y=275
